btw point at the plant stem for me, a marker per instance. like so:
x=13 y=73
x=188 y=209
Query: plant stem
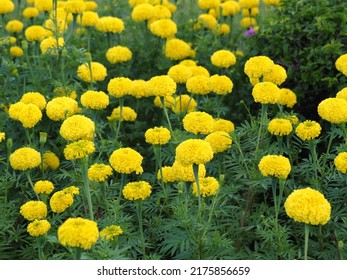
x=307 y=231
x=196 y=176
x=139 y=217
x=157 y=154
x=263 y=117
x=84 y=170
x=121 y=101
x=77 y=253
x=162 y=99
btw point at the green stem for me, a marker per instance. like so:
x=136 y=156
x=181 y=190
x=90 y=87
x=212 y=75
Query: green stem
x=307 y=232
x=40 y=242
x=274 y=195
x=139 y=217
x=313 y=150
x=121 y=101
x=196 y=176
x=157 y=154
x=77 y=253
x=263 y=117
x=84 y=170
x=162 y=99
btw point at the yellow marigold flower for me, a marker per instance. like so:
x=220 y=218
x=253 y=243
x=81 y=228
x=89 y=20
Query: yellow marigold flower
x=220 y=141
x=248 y=4
x=16 y=51
x=118 y=54
x=139 y=88
x=99 y=172
x=248 y=22
x=30 y=12
x=14 y=26
x=208 y=187
x=275 y=165
x=278 y=75
x=287 y=97
x=50 y=45
x=34 y=97
x=157 y=135
x=72 y=190
x=97 y=100
x=96 y=72
x=162 y=85
x=266 y=93
x=25 y=158
x=342 y=94
x=111 y=232
x=61 y=200
x=89 y=19
x=77 y=127
x=91 y=5
x=207 y=21
x=188 y=62
x=78 y=233
x=199 y=71
x=58 y=26
x=137 y=190
x=36 y=33
x=223 y=125
x=185 y=173
x=168 y=174
x=15 y=109
x=2 y=136
x=333 y=110
x=50 y=161
x=223 y=59
x=60 y=108
x=199 y=85
x=250 y=12
x=163 y=28
x=222 y=29
x=198 y=122
x=293 y=119
x=160 y=12
x=184 y=104
x=221 y=84
x=280 y=126
x=38 y=228
x=308 y=130
x=230 y=8
x=272 y=2
x=43 y=187
x=142 y=12
x=340 y=162
x=6 y=7
x=33 y=210
x=257 y=66
x=308 y=206
x=169 y=101
x=74 y=6
x=128 y=114
x=44 y=5
x=109 y=24
x=208 y=4
x=194 y=151
x=119 y=87
x=177 y=49
x=126 y=160
x=30 y=115
x=79 y=149
x=341 y=64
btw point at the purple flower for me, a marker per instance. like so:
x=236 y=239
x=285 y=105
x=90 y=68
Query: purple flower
x=250 y=32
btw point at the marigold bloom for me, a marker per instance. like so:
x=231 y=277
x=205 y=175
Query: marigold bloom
x=194 y=151
x=230 y=8
x=250 y=12
x=128 y=114
x=99 y=172
x=280 y=127
x=184 y=103
x=220 y=141
x=223 y=125
x=14 y=110
x=89 y=19
x=25 y=158
x=257 y=66
x=61 y=200
x=139 y=88
x=142 y=12
x=36 y=33
x=109 y=24
x=111 y=232
x=248 y=22
x=208 y=187
x=30 y=12
x=206 y=21
x=119 y=87
x=60 y=108
x=308 y=130
x=221 y=84
x=342 y=93
x=160 y=12
x=2 y=136
x=308 y=206
x=198 y=122
x=275 y=165
x=79 y=233
x=16 y=51
x=34 y=97
x=157 y=135
x=340 y=162
x=168 y=174
x=44 y=5
x=208 y=4
x=266 y=93
x=118 y=54
x=162 y=85
x=333 y=110
x=222 y=29
x=199 y=85
x=137 y=190
x=177 y=49
x=287 y=97
x=126 y=160
x=77 y=127
x=96 y=100
x=96 y=72
x=50 y=45
x=163 y=28
x=50 y=161
x=198 y=70
x=33 y=210
x=38 y=228
x=43 y=187
x=223 y=59
x=91 y=5
x=341 y=64
x=185 y=173
x=272 y=2
x=278 y=75
x=14 y=26
x=169 y=101
x=6 y=7
x=79 y=149
x=30 y=115
x=74 y=6
x=188 y=62
x=180 y=73
x=248 y=4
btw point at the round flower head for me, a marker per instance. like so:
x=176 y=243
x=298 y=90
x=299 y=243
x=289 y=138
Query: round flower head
x=278 y=75
x=169 y=101
x=198 y=122
x=223 y=125
x=79 y=149
x=78 y=233
x=142 y=12
x=207 y=21
x=50 y=161
x=219 y=141
x=266 y=93
x=340 y=162
x=157 y=135
x=248 y=22
x=230 y=8
x=221 y=84
x=128 y=114
x=248 y=4
x=30 y=115
x=44 y=5
x=36 y=33
x=111 y=232
x=185 y=173
x=2 y=136
x=6 y=7
x=119 y=87
x=96 y=100
x=257 y=66
x=308 y=130
x=14 y=110
x=60 y=108
x=14 y=26
x=342 y=94
x=126 y=161
x=162 y=86
x=188 y=62
x=96 y=72
x=272 y=2
x=177 y=49
x=75 y=6
x=33 y=210
x=139 y=88
x=208 y=187
x=137 y=190
x=16 y=51
x=194 y=151
x=25 y=158
x=110 y=24
x=208 y=4
x=50 y=45
x=43 y=187
x=77 y=127
x=308 y=206
x=60 y=201
x=118 y=54
x=184 y=104
x=341 y=64
x=168 y=174
x=275 y=165
x=99 y=172
x=89 y=19
x=30 y=12
x=223 y=59
x=293 y=119
x=198 y=70
x=34 y=98
x=280 y=127
x=333 y=110
x=180 y=73
x=222 y=29
x=199 y=85
x=91 y=5
x=38 y=228
x=160 y=12
x=163 y=28
x=287 y=97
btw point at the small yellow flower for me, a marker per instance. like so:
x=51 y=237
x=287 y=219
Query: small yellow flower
x=340 y=162
x=157 y=135
x=168 y=174
x=280 y=127
x=33 y=210
x=128 y=114
x=198 y=123
x=96 y=100
x=38 y=228
x=126 y=160
x=333 y=110
x=79 y=149
x=43 y=187
x=199 y=85
x=50 y=160
x=25 y=158
x=111 y=232
x=219 y=141
x=275 y=165
x=223 y=59
x=77 y=127
x=118 y=54
x=266 y=93
x=194 y=151
x=184 y=173
x=95 y=72
x=137 y=190
x=208 y=187
x=308 y=130
x=99 y=172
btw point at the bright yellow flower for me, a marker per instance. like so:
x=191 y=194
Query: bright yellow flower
x=342 y=93
x=280 y=127
x=96 y=100
x=2 y=136
x=194 y=151
x=14 y=26
x=38 y=228
x=111 y=232
x=308 y=130
x=6 y=7
x=79 y=149
x=223 y=59
x=333 y=110
x=157 y=135
x=128 y=114
x=287 y=97
x=36 y=33
x=278 y=75
x=199 y=85
x=89 y=19
x=180 y=73
x=16 y=51
x=275 y=165
x=208 y=4
x=163 y=28
x=184 y=173
x=119 y=87
x=207 y=21
x=177 y=49
x=60 y=201
x=223 y=125
x=109 y=24
x=34 y=97
x=99 y=172
x=341 y=64
x=219 y=141
x=139 y=88
x=77 y=127
x=96 y=72
x=221 y=84
x=230 y=8
x=266 y=93
x=142 y=12
x=168 y=174
x=137 y=190
x=74 y=6
x=184 y=103
x=30 y=12
x=257 y=66
x=208 y=187
x=43 y=187
x=161 y=86
x=25 y=158
x=50 y=160
x=126 y=160
x=198 y=123
x=50 y=45
x=340 y=162
x=33 y=210
x=248 y=4
x=118 y=54
x=44 y=5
